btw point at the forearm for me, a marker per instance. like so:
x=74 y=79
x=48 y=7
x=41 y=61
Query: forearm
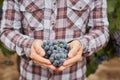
x=10 y=29
x=16 y=41
x=98 y=35
x=94 y=41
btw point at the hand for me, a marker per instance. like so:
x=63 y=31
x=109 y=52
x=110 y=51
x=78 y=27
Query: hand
x=38 y=53
x=74 y=55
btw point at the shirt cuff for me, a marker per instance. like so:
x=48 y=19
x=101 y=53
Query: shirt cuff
x=25 y=50
x=85 y=44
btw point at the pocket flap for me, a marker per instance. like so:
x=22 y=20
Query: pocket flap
x=31 y=5
x=77 y=4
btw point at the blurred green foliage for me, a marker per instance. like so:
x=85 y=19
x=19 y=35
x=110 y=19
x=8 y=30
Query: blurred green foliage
x=113 y=10
x=5 y=51
x=114 y=25
x=1 y=1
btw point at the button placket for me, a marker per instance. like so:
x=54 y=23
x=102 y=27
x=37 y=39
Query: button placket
x=52 y=23
x=54 y=9
x=54 y=6
x=54 y=2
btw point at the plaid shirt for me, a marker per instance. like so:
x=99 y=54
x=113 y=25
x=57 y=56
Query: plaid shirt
x=24 y=21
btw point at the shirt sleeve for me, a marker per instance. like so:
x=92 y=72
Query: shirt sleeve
x=10 y=33
x=98 y=34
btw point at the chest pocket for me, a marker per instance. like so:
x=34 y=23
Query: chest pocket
x=75 y=10
x=33 y=11
x=77 y=4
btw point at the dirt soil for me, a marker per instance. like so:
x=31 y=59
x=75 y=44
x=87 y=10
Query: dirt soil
x=108 y=70
x=8 y=67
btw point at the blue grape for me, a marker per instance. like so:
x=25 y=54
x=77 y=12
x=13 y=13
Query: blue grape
x=49 y=52
x=54 y=42
x=51 y=59
x=46 y=48
x=55 y=47
x=63 y=56
x=52 y=55
x=56 y=51
x=61 y=45
x=62 y=60
x=56 y=63
x=57 y=56
x=51 y=48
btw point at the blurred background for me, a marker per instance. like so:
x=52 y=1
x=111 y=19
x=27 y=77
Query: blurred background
x=103 y=65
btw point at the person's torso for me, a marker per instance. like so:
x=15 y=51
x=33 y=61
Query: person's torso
x=55 y=19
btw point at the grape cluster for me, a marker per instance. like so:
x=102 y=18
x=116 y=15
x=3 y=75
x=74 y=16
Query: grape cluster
x=56 y=51
x=101 y=58
x=116 y=43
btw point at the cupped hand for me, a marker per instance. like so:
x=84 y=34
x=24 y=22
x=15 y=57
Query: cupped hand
x=74 y=55
x=38 y=53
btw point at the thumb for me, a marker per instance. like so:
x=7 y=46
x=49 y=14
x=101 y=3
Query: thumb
x=38 y=47
x=72 y=52
x=40 y=51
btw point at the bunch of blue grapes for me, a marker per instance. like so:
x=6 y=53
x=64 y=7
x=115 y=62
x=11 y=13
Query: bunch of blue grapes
x=101 y=58
x=116 y=43
x=56 y=51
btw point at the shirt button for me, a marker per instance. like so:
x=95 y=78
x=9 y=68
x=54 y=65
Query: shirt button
x=54 y=3
x=80 y=7
x=53 y=23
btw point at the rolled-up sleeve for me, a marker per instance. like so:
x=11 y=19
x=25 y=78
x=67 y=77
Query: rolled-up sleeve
x=10 y=29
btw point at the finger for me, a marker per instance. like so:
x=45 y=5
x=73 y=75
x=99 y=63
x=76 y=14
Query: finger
x=73 y=52
x=42 y=59
x=46 y=65
x=64 y=67
x=38 y=58
x=39 y=50
x=61 y=68
x=52 y=67
x=37 y=46
x=73 y=60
